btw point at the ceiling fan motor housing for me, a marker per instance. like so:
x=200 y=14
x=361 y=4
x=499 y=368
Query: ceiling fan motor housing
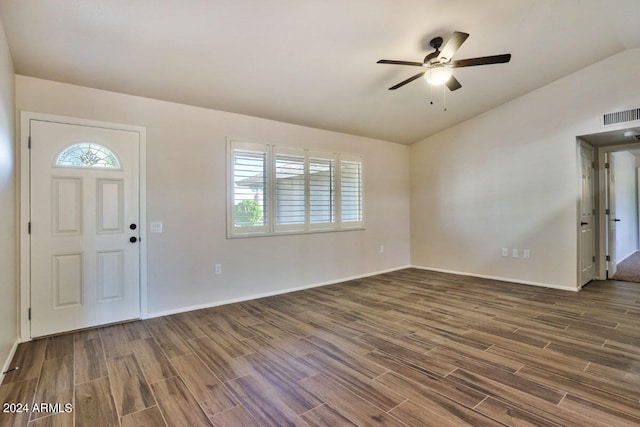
x=436 y=43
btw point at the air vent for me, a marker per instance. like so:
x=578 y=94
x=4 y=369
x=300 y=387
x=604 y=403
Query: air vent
x=611 y=119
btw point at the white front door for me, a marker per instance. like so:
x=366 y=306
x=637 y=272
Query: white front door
x=85 y=218
x=587 y=216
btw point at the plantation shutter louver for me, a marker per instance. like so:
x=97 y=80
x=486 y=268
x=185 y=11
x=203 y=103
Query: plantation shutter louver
x=322 y=203
x=249 y=173
x=290 y=190
x=351 y=192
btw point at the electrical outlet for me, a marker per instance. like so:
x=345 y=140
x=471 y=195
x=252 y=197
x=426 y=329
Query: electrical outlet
x=526 y=253
x=218 y=268
x=515 y=253
x=505 y=251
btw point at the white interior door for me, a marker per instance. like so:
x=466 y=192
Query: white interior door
x=587 y=216
x=85 y=218
x=611 y=215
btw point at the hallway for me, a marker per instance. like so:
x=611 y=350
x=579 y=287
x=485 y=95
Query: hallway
x=629 y=269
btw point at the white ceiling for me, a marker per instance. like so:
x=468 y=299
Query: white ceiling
x=313 y=62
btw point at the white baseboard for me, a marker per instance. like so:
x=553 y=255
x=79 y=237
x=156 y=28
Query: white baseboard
x=269 y=294
x=502 y=279
x=7 y=363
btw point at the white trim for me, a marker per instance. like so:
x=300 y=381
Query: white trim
x=583 y=145
x=501 y=279
x=24 y=241
x=5 y=366
x=272 y=293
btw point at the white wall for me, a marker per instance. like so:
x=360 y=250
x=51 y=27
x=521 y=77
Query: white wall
x=8 y=247
x=626 y=207
x=186 y=191
x=508 y=179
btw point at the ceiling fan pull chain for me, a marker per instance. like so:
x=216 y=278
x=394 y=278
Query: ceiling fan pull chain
x=430 y=94
x=444 y=97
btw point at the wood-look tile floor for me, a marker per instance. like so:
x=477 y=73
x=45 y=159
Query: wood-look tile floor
x=408 y=348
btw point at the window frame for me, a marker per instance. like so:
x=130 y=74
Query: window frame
x=271 y=227
x=352 y=159
x=334 y=223
x=293 y=152
x=232 y=229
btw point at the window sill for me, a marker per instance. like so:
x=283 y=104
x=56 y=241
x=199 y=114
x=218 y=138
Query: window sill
x=292 y=233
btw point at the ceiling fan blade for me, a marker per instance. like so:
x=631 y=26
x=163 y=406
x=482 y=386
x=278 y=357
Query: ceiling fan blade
x=452 y=46
x=390 y=61
x=485 y=60
x=453 y=84
x=409 y=80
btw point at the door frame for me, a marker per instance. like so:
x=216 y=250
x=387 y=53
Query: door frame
x=602 y=243
x=24 y=241
x=610 y=214
x=582 y=144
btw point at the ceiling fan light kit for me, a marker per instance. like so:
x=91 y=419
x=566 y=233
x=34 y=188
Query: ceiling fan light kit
x=438 y=64
x=438 y=76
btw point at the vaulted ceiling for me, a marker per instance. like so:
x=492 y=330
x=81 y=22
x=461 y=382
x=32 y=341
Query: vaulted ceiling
x=313 y=62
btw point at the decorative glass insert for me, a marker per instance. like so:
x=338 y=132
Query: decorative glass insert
x=88 y=155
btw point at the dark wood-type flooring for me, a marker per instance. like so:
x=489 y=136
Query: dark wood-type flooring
x=408 y=348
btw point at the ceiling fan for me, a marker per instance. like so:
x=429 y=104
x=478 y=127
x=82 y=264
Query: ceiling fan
x=439 y=63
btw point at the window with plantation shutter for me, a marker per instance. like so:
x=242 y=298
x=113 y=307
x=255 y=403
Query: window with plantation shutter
x=322 y=192
x=290 y=189
x=351 y=192
x=249 y=194
x=280 y=190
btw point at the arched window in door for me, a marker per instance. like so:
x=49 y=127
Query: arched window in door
x=88 y=155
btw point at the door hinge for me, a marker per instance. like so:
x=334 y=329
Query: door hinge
x=29 y=142
x=606 y=165
x=29 y=313
x=594 y=258
x=606 y=211
x=29 y=228
x=608 y=258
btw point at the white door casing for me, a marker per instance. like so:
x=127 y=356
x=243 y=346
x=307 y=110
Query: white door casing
x=587 y=215
x=82 y=268
x=638 y=204
x=611 y=215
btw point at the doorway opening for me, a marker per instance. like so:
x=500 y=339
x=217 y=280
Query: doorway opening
x=617 y=206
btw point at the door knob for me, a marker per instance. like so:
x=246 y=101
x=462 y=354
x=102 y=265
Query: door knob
x=133 y=226
x=133 y=239
x=584 y=223
x=616 y=220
